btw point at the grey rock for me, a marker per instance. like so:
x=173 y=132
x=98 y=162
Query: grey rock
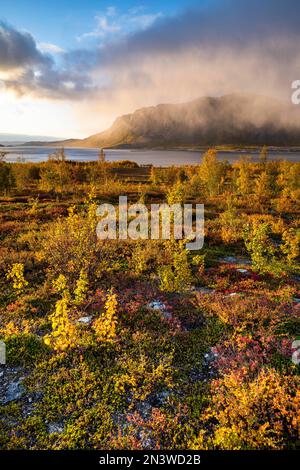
x=85 y=320
x=161 y=307
x=14 y=391
x=157 y=305
x=55 y=428
x=235 y=260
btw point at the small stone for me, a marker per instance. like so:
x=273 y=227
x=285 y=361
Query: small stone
x=232 y=294
x=157 y=305
x=162 y=308
x=85 y=320
x=162 y=397
x=14 y=391
x=55 y=428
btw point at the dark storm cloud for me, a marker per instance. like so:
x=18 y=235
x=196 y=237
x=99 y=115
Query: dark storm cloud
x=231 y=23
x=243 y=42
x=29 y=71
x=18 y=49
x=223 y=46
x=51 y=83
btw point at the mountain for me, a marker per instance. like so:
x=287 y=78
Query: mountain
x=16 y=139
x=236 y=119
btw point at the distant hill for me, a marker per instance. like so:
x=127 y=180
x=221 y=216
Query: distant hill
x=15 y=139
x=236 y=119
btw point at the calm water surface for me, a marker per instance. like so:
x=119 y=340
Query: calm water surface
x=155 y=157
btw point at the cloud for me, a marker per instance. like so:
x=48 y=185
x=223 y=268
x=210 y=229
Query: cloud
x=52 y=83
x=226 y=46
x=142 y=22
x=28 y=68
x=218 y=24
x=111 y=11
x=138 y=59
x=18 y=49
x=52 y=48
x=103 y=28
x=112 y=25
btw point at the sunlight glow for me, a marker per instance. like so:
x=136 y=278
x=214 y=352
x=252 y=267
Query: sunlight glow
x=26 y=115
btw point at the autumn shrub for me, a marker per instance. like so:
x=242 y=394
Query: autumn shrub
x=263 y=190
x=25 y=175
x=6 y=178
x=63 y=334
x=141 y=377
x=105 y=326
x=284 y=203
x=55 y=176
x=245 y=354
x=70 y=245
x=262 y=413
x=25 y=349
x=194 y=188
x=289 y=176
x=291 y=245
x=81 y=289
x=177 y=276
x=176 y=193
x=231 y=224
x=261 y=248
x=160 y=429
x=16 y=275
x=68 y=385
x=244 y=181
x=139 y=260
x=248 y=312
x=91 y=429
x=212 y=173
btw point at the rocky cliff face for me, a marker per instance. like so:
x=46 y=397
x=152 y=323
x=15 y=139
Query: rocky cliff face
x=237 y=119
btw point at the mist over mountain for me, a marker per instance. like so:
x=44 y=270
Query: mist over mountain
x=236 y=119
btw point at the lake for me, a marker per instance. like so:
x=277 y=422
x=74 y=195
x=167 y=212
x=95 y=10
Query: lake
x=143 y=157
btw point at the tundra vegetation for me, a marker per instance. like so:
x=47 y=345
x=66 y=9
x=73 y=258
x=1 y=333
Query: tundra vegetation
x=142 y=344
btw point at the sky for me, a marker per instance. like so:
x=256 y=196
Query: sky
x=69 y=68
